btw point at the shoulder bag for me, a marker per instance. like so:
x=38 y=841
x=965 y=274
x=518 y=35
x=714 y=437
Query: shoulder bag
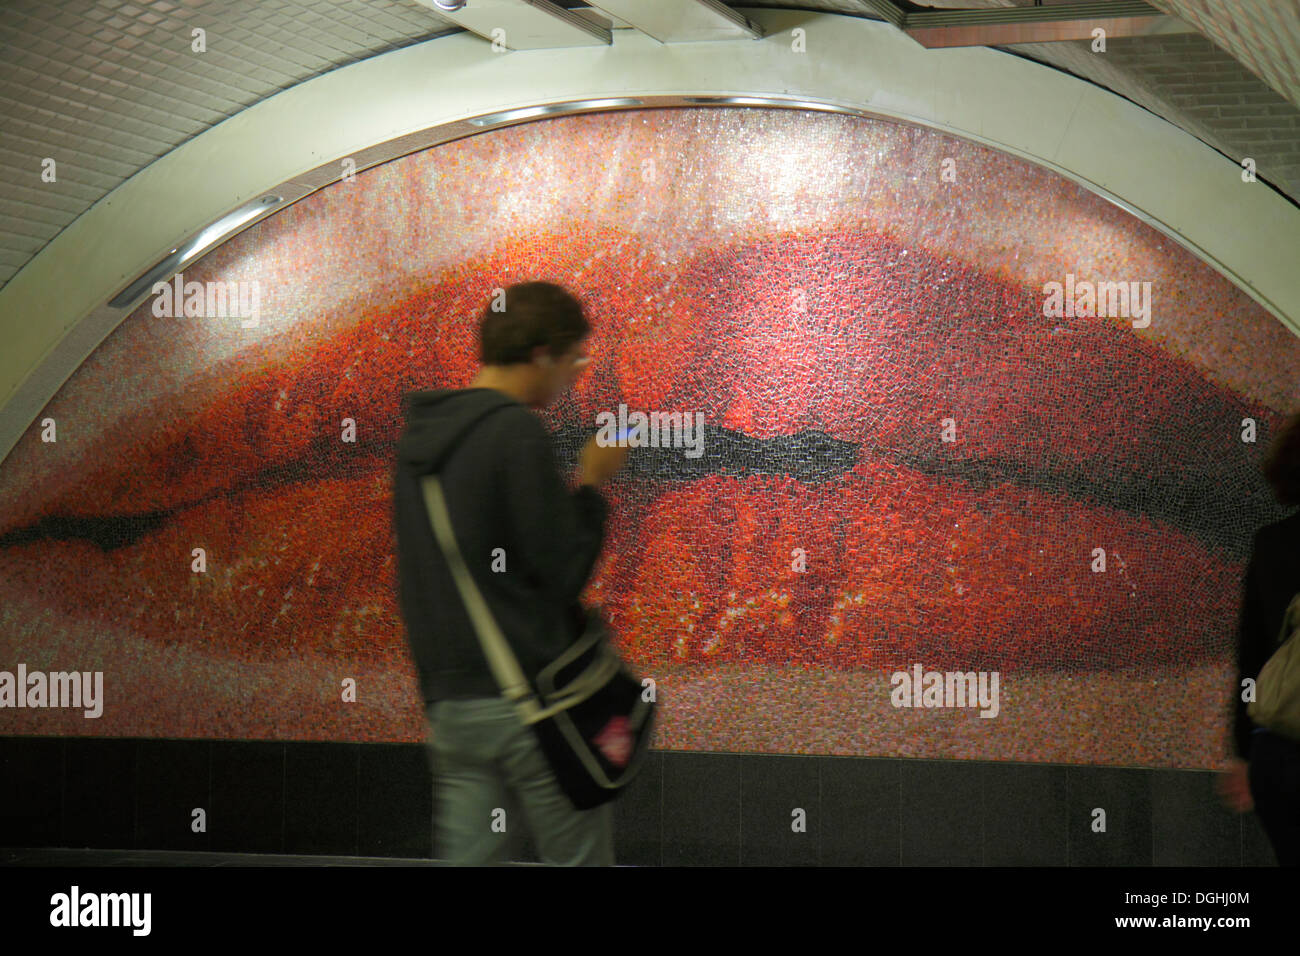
x=1277 y=691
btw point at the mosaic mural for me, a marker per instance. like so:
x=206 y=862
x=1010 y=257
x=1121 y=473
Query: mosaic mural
x=959 y=415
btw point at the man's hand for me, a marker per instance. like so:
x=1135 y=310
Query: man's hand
x=1234 y=787
x=596 y=465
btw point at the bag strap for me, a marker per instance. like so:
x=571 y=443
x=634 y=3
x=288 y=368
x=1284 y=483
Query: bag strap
x=501 y=659
x=505 y=666
x=1290 y=621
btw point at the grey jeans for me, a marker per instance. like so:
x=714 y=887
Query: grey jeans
x=489 y=770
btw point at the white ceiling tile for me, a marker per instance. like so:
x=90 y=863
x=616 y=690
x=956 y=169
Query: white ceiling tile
x=109 y=86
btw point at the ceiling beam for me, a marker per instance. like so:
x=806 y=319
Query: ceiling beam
x=678 y=21
x=884 y=10
x=524 y=24
x=1000 y=26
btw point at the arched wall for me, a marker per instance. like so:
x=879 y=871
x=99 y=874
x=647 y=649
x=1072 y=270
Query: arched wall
x=54 y=312
x=895 y=458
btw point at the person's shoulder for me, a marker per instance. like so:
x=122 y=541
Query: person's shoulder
x=520 y=416
x=515 y=422
x=1283 y=533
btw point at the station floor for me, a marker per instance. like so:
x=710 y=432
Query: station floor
x=114 y=858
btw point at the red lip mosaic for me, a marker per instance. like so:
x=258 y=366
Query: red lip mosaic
x=1071 y=434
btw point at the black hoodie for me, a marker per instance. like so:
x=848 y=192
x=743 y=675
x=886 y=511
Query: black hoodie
x=503 y=491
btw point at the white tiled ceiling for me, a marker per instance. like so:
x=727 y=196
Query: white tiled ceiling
x=105 y=87
x=1264 y=35
x=1235 y=87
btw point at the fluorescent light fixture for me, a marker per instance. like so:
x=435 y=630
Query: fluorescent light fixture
x=552 y=109
x=733 y=100
x=200 y=244
x=769 y=101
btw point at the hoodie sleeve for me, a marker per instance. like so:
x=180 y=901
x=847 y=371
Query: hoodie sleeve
x=1253 y=646
x=557 y=533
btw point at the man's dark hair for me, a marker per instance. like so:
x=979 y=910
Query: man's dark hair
x=536 y=313
x=1282 y=464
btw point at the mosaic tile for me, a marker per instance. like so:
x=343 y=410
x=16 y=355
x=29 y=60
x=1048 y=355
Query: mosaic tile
x=830 y=302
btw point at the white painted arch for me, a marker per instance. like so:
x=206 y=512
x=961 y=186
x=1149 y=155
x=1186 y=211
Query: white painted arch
x=54 y=311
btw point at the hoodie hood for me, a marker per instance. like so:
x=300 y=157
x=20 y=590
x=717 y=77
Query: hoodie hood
x=436 y=421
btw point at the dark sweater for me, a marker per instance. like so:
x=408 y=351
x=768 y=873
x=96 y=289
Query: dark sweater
x=504 y=491
x=1272 y=580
